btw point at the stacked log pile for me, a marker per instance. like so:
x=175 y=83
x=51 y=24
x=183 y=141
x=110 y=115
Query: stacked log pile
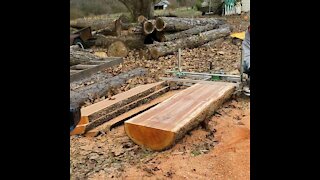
x=154 y=37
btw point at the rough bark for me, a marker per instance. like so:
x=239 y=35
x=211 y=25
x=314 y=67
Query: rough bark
x=82 y=56
x=95 y=24
x=131 y=41
x=187 y=33
x=180 y=24
x=79 y=96
x=164 y=48
x=127 y=26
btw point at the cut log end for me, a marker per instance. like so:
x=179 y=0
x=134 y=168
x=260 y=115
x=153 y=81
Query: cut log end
x=154 y=139
x=117 y=49
x=159 y=24
x=141 y=19
x=148 y=27
x=154 y=53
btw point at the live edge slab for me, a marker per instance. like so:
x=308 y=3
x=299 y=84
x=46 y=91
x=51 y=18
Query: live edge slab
x=161 y=126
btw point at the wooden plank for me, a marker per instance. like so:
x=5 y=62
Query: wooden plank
x=90 y=71
x=106 y=117
x=120 y=103
x=160 y=127
x=120 y=119
x=80 y=129
x=120 y=99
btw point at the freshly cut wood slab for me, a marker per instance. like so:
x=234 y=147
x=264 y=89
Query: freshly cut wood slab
x=121 y=99
x=161 y=126
x=122 y=109
x=133 y=112
x=109 y=107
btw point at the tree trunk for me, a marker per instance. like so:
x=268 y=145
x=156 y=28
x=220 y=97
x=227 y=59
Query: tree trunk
x=79 y=96
x=186 y=33
x=162 y=126
x=118 y=49
x=180 y=24
x=139 y=7
x=164 y=48
x=131 y=41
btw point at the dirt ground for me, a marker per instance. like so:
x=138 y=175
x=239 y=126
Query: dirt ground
x=218 y=149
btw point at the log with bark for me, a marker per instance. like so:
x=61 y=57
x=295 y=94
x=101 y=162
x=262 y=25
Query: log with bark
x=81 y=56
x=180 y=24
x=195 y=30
x=165 y=48
x=136 y=30
x=111 y=30
x=127 y=26
x=95 y=24
x=133 y=41
x=79 y=96
x=162 y=126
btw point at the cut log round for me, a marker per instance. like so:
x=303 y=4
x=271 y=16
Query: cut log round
x=148 y=27
x=118 y=49
x=141 y=19
x=159 y=24
x=163 y=125
x=164 y=48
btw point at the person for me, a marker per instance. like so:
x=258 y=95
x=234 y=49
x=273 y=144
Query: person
x=246 y=59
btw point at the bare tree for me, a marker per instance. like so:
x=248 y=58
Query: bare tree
x=140 y=7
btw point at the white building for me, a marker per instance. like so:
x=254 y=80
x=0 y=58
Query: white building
x=163 y=4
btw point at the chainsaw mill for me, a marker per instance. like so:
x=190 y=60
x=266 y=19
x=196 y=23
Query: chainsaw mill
x=242 y=80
